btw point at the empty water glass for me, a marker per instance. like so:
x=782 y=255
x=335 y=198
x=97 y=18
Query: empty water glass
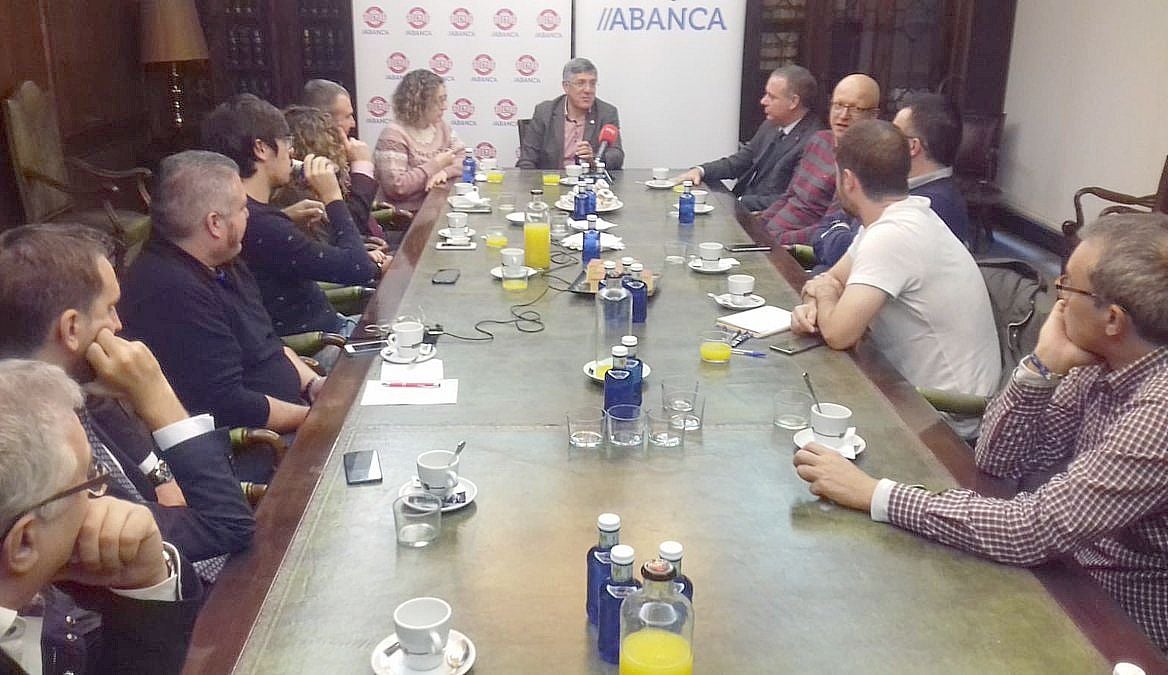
x=626 y=426
x=686 y=410
x=792 y=408
x=418 y=518
x=586 y=428
x=662 y=433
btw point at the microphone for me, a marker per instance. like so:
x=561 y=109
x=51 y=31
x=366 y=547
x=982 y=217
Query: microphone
x=608 y=135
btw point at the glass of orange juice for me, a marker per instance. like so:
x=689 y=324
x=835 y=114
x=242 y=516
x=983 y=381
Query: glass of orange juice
x=496 y=237
x=715 y=346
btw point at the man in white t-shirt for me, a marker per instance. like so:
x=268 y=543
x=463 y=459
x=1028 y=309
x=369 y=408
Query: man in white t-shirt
x=905 y=277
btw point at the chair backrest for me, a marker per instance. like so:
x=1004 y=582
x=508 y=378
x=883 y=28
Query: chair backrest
x=1017 y=295
x=30 y=120
x=522 y=125
x=981 y=136
x=1161 y=204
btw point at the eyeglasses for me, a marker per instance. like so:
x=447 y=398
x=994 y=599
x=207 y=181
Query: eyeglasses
x=96 y=483
x=582 y=84
x=1061 y=288
x=838 y=108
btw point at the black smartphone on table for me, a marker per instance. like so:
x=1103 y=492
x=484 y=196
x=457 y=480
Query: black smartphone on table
x=362 y=466
x=446 y=275
x=794 y=344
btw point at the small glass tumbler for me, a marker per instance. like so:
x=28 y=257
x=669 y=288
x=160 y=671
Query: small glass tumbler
x=715 y=346
x=677 y=253
x=586 y=428
x=686 y=412
x=559 y=225
x=626 y=426
x=417 y=518
x=662 y=433
x=792 y=409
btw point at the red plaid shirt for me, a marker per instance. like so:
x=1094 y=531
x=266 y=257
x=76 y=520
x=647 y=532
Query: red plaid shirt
x=1108 y=508
x=792 y=219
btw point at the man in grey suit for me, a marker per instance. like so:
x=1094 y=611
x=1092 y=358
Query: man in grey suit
x=764 y=166
x=567 y=127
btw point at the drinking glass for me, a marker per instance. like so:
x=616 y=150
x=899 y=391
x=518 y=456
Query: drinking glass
x=686 y=410
x=715 y=346
x=506 y=202
x=662 y=433
x=417 y=518
x=677 y=253
x=586 y=428
x=626 y=426
x=792 y=407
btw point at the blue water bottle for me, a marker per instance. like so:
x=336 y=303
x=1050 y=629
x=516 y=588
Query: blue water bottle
x=618 y=586
x=633 y=363
x=591 y=245
x=672 y=552
x=580 y=201
x=608 y=525
x=620 y=386
x=591 y=185
x=685 y=205
x=640 y=293
x=469 y=167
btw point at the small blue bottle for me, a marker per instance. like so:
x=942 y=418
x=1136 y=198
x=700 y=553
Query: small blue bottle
x=633 y=363
x=469 y=167
x=580 y=201
x=685 y=205
x=608 y=525
x=591 y=187
x=620 y=386
x=672 y=551
x=618 y=586
x=640 y=293
x=591 y=246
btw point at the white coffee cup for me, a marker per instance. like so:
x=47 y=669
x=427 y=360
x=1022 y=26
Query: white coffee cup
x=406 y=338
x=573 y=170
x=660 y=173
x=710 y=253
x=831 y=424
x=463 y=188
x=423 y=626
x=438 y=471
x=700 y=196
x=739 y=286
x=488 y=163
x=512 y=257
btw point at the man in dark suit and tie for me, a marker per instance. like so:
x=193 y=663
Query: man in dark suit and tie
x=566 y=129
x=764 y=166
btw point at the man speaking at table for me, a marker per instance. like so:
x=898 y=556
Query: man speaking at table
x=905 y=278
x=1091 y=402
x=568 y=128
x=763 y=167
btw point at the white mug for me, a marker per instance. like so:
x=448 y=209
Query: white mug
x=831 y=424
x=512 y=257
x=699 y=196
x=463 y=188
x=456 y=224
x=438 y=471
x=710 y=252
x=739 y=286
x=573 y=170
x=406 y=338
x=660 y=173
x=423 y=626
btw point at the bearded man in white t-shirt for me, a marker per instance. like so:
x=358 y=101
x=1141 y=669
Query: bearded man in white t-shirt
x=905 y=277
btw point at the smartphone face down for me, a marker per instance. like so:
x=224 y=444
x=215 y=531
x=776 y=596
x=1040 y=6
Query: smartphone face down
x=362 y=466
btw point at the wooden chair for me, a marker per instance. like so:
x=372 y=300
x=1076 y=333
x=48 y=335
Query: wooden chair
x=244 y=440
x=42 y=177
x=1121 y=203
x=976 y=170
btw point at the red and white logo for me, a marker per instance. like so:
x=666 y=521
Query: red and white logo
x=483 y=64
x=461 y=18
x=418 y=18
x=462 y=108
x=378 y=107
x=397 y=63
x=526 y=65
x=374 y=17
x=485 y=150
x=440 y=63
x=505 y=19
x=505 y=109
x=548 y=20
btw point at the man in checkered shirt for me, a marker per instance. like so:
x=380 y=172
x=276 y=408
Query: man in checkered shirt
x=1093 y=398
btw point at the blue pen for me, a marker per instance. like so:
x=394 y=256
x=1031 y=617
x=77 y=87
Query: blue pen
x=747 y=352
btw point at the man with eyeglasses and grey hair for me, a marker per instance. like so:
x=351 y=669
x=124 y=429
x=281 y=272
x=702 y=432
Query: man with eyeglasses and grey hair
x=1088 y=408
x=60 y=536
x=567 y=128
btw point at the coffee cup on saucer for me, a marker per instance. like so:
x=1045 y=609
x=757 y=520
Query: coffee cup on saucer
x=740 y=287
x=423 y=627
x=660 y=173
x=831 y=425
x=512 y=257
x=463 y=188
x=573 y=170
x=456 y=224
x=710 y=253
x=700 y=196
x=406 y=338
x=438 y=471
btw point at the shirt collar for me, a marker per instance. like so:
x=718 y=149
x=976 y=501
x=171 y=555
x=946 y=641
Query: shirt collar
x=790 y=127
x=915 y=182
x=7 y=618
x=1125 y=380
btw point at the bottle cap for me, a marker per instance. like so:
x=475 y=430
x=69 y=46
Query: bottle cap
x=620 y=351
x=637 y=267
x=1125 y=668
x=629 y=341
x=628 y=260
x=610 y=264
x=609 y=522
x=470 y=151
x=592 y=217
x=670 y=550
x=657 y=570
x=537 y=192
x=622 y=554
x=688 y=183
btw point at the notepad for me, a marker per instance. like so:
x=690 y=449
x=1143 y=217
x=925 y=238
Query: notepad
x=759 y=322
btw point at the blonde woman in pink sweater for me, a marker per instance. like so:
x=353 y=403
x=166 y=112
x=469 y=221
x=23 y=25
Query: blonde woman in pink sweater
x=418 y=150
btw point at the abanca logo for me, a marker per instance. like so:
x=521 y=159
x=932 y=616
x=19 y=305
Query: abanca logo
x=374 y=17
x=664 y=20
x=461 y=18
x=378 y=106
x=505 y=19
x=505 y=109
x=418 y=18
x=462 y=108
x=397 y=63
x=526 y=65
x=441 y=63
x=548 y=20
x=485 y=150
x=483 y=64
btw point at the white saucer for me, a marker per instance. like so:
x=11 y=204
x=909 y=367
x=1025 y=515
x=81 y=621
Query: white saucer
x=752 y=301
x=600 y=208
x=699 y=209
x=723 y=266
x=445 y=233
x=497 y=272
x=590 y=370
x=662 y=184
x=395 y=664
x=581 y=225
x=805 y=436
x=459 y=498
x=516 y=217
x=390 y=354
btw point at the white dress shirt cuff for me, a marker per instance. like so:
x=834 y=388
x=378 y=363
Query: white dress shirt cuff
x=183 y=430
x=166 y=590
x=880 y=499
x=364 y=168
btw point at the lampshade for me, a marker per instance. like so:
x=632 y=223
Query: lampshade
x=171 y=32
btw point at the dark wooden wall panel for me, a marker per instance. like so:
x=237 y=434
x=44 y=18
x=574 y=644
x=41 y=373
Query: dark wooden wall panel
x=22 y=57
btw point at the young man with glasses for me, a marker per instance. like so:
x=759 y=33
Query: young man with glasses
x=792 y=219
x=1089 y=405
x=62 y=539
x=567 y=128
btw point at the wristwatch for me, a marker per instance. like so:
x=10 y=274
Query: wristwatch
x=160 y=473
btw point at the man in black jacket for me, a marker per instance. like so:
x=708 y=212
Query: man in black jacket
x=58 y=294
x=566 y=129
x=53 y=530
x=764 y=166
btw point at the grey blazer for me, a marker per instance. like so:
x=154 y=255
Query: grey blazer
x=764 y=166
x=542 y=146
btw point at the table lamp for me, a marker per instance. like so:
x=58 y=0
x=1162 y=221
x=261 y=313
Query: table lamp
x=171 y=34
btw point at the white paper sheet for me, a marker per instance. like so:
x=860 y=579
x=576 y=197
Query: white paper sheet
x=376 y=393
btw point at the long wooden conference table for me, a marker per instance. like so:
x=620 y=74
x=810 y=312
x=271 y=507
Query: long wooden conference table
x=784 y=582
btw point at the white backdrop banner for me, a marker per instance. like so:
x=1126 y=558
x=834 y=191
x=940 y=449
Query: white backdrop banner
x=674 y=70
x=499 y=60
